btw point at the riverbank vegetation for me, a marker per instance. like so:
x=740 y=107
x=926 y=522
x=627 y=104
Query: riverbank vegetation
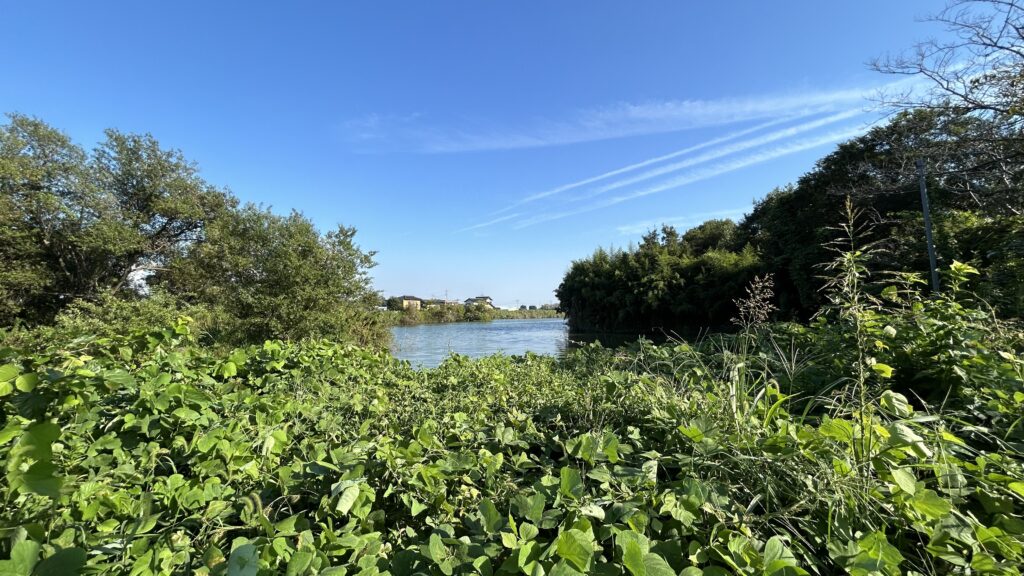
x=443 y=314
x=967 y=133
x=676 y=282
x=883 y=438
x=191 y=386
x=129 y=235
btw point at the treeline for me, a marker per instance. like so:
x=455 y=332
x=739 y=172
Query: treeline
x=968 y=132
x=463 y=313
x=686 y=282
x=129 y=235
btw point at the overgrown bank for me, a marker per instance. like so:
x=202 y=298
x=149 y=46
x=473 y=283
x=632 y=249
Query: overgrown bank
x=884 y=439
x=463 y=313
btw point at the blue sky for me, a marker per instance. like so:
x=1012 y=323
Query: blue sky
x=479 y=147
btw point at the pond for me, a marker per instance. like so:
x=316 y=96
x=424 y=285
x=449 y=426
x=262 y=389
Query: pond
x=428 y=345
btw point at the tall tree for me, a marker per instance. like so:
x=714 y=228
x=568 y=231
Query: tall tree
x=270 y=276
x=76 y=224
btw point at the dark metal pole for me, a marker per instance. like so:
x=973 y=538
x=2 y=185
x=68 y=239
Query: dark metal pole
x=928 y=226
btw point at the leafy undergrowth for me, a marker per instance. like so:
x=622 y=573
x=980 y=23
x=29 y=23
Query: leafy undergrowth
x=149 y=454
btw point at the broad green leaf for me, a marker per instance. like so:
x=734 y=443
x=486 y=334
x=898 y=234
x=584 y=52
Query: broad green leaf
x=575 y=546
x=571 y=484
x=633 y=558
x=300 y=562
x=438 y=552
x=228 y=369
x=905 y=479
x=9 y=372
x=774 y=549
x=655 y=565
x=931 y=505
x=883 y=370
x=563 y=568
x=592 y=510
x=841 y=430
x=528 y=531
x=896 y=404
x=34 y=446
x=492 y=520
x=24 y=556
x=244 y=561
x=27 y=382
x=509 y=540
x=66 y=562
x=347 y=499
x=10 y=432
x=530 y=507
x=119 y=378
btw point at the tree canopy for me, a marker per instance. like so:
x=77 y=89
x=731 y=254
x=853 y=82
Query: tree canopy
x=80 y=227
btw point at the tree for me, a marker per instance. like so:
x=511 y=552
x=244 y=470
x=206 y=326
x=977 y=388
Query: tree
x=75 y=224
x=270 y=276
x=980 y=71
x=978 y=75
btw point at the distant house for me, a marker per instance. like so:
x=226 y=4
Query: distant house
x=439 y=303
x=411 y=302
x=480 y=301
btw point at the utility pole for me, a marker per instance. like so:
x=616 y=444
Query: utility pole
x=928 y=226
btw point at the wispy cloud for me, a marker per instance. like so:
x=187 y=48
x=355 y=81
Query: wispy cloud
x=702 y=174
x=680 y=222
x=722 y=152
x=488 y=223
x=713 y=154
x=643 y=163
x=419 y=133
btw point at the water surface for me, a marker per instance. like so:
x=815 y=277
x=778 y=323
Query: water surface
x=429 y=344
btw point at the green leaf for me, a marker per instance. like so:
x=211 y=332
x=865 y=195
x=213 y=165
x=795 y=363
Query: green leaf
x=931 y=505
x=883 y=370
x=244 y=561
x=905 y=479
x=10 y=432
x=347 y=499
x=633 y=558
x=575 y=546
x=896 y=404
x=228 y=369
x=592 y=510
x=528 y=531
x=562 y=568
x=66 y=562
x=437 y=550
x=24 y=556
x=530 y=507
x=655 y=565
x=119 y=378
x=27 y=382
x=492 y=520
x=300 y=562
x=9 y=372
x=35 y=446
x=509 y=540
x=774 y=549
x=571 y=483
